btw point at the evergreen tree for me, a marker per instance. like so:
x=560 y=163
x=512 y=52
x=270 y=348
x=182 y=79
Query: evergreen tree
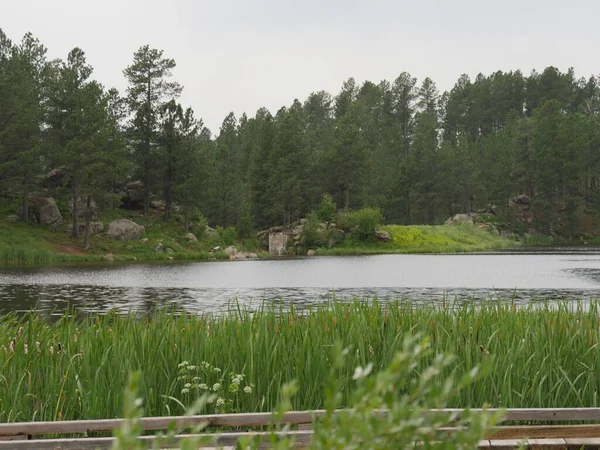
x=149 y=90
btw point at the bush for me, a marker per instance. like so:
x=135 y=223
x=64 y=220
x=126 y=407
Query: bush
x=327 y=209
x=364 y=222
x=312 y=235
x=227 y=236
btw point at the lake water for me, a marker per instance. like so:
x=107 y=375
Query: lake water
x=209 y=286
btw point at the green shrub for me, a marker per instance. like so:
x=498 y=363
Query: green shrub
x=327 y=209
x=312 y=234
x=364 y=222
x=227 y=236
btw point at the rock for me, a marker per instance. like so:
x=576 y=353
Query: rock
x=310 y=253
x=133 y=196
x=523 y=200
x=144 y=241
x=210 y=231
x=43 y=211
x=383 y=236
x=231 y=251
x=159 y=248
x=171 y=258
x=82 y=207
x=95 y=228
x=109 y=257
x=190 y=237
x=244 y=256
x=460 y=218
x=169 y=250
x=125 y=230
x=509 y=235
x=523 y=205
x=54 y=178
x=159 y=205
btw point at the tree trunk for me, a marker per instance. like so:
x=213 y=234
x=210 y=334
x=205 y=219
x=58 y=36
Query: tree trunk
x=146 y=197
x=75 y=213
x=186 y=220
x=347 y=197
x=168 y=201
x=88 y=217
x=25 y=215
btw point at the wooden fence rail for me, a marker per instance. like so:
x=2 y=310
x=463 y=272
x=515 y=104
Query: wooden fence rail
x=30 y=435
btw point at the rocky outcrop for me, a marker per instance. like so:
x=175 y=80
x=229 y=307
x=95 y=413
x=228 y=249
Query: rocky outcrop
x=242 y=256
x=460 y=218
x=124 y=230
x=190 y=237
x=82 y=207
x=43 y=211
x=383 y=236
x=95 y=228
x=133 y=197
x=523 y=206
x=230 y=251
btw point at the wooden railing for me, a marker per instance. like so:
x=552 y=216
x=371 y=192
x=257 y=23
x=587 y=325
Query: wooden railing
x=19 y=436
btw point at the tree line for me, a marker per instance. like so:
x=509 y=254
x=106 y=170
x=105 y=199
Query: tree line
x=418 y=155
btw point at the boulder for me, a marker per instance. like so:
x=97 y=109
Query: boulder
x=169 y=250
x=133 y=196
x=124 y=230
x=82 y=207
x=241 y=256
x=95 y=228
x=310 y=253
x=144 y=241
x=159 y=205
x=109 y=257
x=383 y=236
x=43 y=211
x=55 y=178
x=460 y=218
x=231 y=251
x=190 y=237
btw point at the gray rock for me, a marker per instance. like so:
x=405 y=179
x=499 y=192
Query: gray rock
x=244 y=256
x=383 y=236
x=144 y=241
x=109 y=257
x=125 y=230
x=460 y=218
x=82 y=207
x=95 y=228
x=230 y=251
x=169 y=250
x=310 y=253
x=190 y=237
x=43 y=211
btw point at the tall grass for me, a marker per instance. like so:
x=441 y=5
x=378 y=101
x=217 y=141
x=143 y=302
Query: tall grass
x=426 y=239
x=543 y=356
x=17 y=255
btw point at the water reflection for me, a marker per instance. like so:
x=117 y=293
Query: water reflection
x=200 y=287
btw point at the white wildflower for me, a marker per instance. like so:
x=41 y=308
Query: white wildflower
x=216 y=387
x=220 y=401
x=248 y=390
x=361 y=372
x=185 y=390
x=203 y=386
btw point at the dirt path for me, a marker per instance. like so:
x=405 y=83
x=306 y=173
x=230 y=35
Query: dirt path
x=68 y=249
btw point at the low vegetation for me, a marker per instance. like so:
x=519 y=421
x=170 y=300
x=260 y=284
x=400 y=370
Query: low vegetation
x=424 y=239
x=540 y=355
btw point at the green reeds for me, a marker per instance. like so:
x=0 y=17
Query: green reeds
x=543 y=355
x=16 y=255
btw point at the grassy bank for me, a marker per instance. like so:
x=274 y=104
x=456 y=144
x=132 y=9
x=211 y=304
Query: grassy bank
x=542 y=356
x=425 y=239
x=28 y=244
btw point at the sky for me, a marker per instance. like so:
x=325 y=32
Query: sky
x=234 y=55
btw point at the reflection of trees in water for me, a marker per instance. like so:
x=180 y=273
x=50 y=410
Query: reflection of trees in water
x=54 y=300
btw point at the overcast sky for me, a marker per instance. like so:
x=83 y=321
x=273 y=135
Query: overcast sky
x=234 y=55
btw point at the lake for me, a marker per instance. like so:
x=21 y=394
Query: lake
x=209 y=286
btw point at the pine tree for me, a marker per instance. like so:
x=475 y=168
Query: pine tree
x=149 y=90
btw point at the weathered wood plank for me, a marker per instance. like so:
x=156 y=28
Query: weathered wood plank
x=579 y=443
x=547 y=444
x=262 y=419
x=546 y=432
x=506 y=444
x=484 y=445
x=302 y=438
